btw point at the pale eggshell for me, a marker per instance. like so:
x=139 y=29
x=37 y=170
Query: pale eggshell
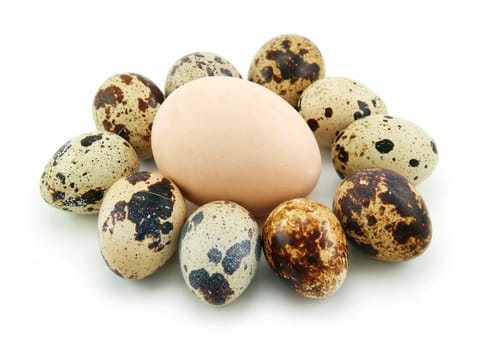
x=224 y=138
x=383 y=215
x=385 y=142
x=79 y=173
x=198 y=65
x=126 y=104
x=287 y=64
x=304 y=244
x=139 y=224
x=329 y=105
x=220 y=249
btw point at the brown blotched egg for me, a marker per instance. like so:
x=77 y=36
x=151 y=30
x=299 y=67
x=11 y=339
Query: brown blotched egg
x=386 y=142
x=198 y=65
x=304 y=244
x=79 y=173
x=126 y=104
x=329 y=105
x=139 y=224
x=221 y=138
x=287 y=65
x=383 y=215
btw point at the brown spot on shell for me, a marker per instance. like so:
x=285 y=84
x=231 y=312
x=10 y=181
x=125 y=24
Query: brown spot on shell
x=111 y=95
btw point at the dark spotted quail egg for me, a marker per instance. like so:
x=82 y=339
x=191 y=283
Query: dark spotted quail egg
x=386 y=142
x=79 y=173
x=220 y=248
x=287 y=65
x=139 y=224
x=329 y=105
x=198 y=65
x=305 y=245
x=383 y=215
x=126 y=104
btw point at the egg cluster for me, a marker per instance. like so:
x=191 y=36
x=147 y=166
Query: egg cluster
x=240 y=150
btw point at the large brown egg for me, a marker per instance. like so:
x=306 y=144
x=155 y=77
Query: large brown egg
x=305 y=245
x=223 y=138
x=383 y=215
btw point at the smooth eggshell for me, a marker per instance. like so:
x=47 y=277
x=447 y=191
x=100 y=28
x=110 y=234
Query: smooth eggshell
x=139 y=224
x=220 y=248
x=383 y=215
x=79 y=173
x=329 y=105
x=287 y=65
x=385 y=142
x=198 y=65
x=305 y=245
x=224 y=138
x=126 y=104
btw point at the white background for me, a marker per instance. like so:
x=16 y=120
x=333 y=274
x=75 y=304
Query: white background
x=56 y=291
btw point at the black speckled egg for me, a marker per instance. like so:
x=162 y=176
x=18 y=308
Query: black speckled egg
x=139 y=224
x=220 y=249
x=383 y=215
x=79 y=173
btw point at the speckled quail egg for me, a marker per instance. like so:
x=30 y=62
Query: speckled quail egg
x=329 y=105
x=126 y=104
x=287 y=64
x=383 y=215
x=386 y=142
x=305 y=245
x=79 y=173
x=139 y=224
x=198 y=65
x=220 y=248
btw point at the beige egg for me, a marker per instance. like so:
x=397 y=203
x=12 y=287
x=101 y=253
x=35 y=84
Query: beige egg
x=220 y=249
x=234 y=140
x=383 y=215
x=198 y=65
x=305 y=245
x=329 y=105
x=126 y=104
x=139 y=224
x=386 y=142
x=79 y=173
x=287 y=65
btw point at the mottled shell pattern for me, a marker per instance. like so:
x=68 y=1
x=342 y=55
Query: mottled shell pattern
x=383 y=215
x=220 y=249
x=79 y=173
x=386 y=142
x=305 y=245
x=126 y=104
x=329 y=105
x=139 y=224
x=287 y=65
x=198 y=65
